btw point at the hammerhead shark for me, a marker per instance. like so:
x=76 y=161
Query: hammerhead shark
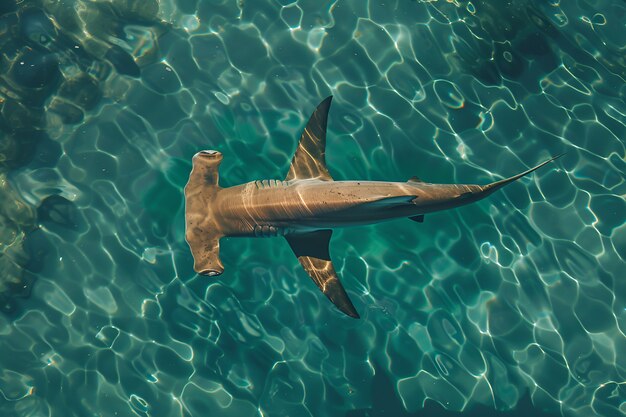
x=306 y=205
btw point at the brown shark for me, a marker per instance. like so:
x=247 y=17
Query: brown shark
x=305 y=206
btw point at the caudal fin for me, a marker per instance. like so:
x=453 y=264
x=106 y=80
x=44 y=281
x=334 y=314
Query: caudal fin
x=490 y=188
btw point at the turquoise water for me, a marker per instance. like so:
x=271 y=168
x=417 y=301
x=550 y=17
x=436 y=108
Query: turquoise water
x=515 y=305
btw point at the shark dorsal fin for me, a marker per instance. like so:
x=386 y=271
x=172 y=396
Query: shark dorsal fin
x=312 y=251
x=309 y=160
x=415 y=179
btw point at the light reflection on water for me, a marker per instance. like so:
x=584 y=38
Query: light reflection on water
x=514 y=302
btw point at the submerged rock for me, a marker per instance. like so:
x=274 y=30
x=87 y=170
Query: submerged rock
x=16 y=220
x=122 y=61
x=35 y=69
x=60 y=211
x=36 y=27
x=7 y=6
x=83 y=90
x=55 y=60
x=69 y=113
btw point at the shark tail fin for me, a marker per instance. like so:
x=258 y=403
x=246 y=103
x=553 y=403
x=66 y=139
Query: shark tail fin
x=490 y=188
x=201 y=230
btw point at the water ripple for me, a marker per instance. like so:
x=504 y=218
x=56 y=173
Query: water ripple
x=515 y=301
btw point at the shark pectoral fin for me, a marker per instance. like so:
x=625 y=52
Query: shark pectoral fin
x=415 y=179
x=312 y=252
x=309 y=160
x=323 y=274
x=418 y=218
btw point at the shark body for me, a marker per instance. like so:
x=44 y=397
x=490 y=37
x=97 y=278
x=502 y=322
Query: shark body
x=306 y=206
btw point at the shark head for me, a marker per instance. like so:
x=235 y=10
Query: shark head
x=202 y=231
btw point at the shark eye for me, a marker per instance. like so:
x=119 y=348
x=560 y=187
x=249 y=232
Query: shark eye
x=210 y=272
x=209 y=154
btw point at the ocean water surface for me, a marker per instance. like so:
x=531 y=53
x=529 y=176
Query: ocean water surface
x=515 y=305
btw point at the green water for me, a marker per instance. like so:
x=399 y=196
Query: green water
x=515 y=305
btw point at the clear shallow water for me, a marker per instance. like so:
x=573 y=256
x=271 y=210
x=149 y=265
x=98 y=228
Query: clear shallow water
x=516 y=302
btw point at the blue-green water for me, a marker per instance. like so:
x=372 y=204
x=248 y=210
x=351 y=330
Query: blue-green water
x=515 y=303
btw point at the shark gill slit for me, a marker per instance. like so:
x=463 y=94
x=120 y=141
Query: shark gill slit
x=264 y=184
x=264 y=230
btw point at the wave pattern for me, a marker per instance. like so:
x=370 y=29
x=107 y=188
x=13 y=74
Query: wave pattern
x=519 y=297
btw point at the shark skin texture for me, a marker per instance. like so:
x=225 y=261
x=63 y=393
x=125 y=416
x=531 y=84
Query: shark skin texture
x=305 y=207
